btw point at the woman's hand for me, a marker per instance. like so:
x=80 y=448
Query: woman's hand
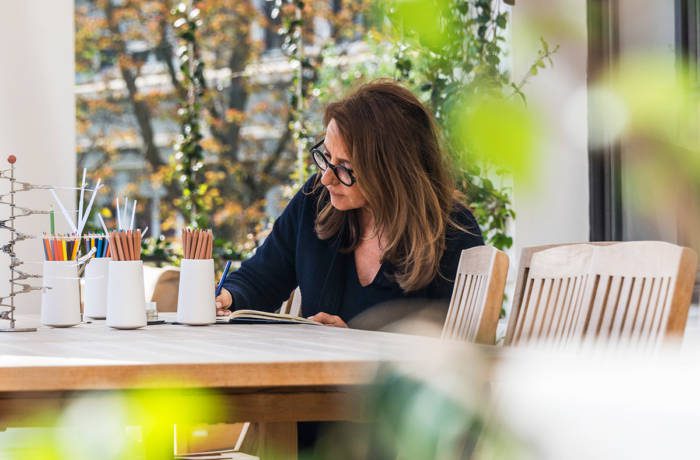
x=223 y=301
x=328 y=320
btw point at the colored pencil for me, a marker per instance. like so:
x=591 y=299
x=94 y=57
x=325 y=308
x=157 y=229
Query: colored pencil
x=210 y=248
x=46 y=252
x=128 y=244
x=197 y=244
x=76 y=245
x=123 y=245
x=52 y=221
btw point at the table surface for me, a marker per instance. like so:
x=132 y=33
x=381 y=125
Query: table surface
x=94 y=356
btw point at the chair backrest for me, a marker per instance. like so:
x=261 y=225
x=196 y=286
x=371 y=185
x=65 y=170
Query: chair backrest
x=523 y=271
x=634 y=291
x=163 y=284
x=477 y=295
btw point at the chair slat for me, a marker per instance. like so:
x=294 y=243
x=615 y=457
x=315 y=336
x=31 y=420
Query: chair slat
x=613 y=297
x=547 y=296
x=631 y=307
x=637 y=329
x=555 y=305
x=598 y=310
x=533 y=308
x=520 y=319
x=654 y=297
x=658 y=313
x=664 y=307
x=576 y=293
x=475 y=317
x=467 y=299
x=472 y=305
x=454 y=314
x=560 y=313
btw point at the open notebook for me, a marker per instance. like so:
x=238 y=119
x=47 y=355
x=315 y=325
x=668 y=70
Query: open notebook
x=263 y=317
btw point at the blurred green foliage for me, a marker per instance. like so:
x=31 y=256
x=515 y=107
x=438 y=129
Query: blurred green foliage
x=158 y=251
x=442 y=413
x=454 y=59
x=135 y=424
x=655 y=115
x=451 y=53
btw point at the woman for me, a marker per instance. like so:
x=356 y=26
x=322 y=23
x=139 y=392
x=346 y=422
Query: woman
x=380 y=222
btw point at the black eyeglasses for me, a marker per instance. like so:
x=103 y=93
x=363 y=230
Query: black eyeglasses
x=320 y=157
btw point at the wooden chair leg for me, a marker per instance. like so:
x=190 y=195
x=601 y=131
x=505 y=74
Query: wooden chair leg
x=278 y=441
x=248 y=439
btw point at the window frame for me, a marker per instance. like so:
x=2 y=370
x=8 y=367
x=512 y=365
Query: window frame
x=604 y=162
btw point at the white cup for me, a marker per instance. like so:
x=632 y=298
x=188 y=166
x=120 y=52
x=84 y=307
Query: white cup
x=195 y=297
x=60 y=298
x=126 y=303
x=96 y=276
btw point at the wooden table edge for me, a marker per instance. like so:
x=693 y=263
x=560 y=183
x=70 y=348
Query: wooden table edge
x=186 y=375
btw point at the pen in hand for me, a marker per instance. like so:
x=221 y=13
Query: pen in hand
x=223 y=278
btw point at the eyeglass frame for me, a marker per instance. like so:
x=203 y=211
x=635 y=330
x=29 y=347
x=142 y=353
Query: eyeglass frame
x=328 y=164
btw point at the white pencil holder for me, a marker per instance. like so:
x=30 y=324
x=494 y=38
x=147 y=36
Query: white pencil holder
x=126 y=303
x=96 y=276
x=195 y=298
x=60 y=298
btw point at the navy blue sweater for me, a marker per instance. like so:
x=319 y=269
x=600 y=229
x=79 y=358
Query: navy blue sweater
x=293 y=255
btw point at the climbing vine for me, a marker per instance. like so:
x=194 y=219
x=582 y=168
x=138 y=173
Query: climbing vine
x=189 y=154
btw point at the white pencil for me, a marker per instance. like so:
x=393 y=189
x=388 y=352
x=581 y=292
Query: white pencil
x=63 y=210
x=125 y=214
x=82 y=194
x=119 y=217
x=89 y=207
x=102 y=222
x=133 y=212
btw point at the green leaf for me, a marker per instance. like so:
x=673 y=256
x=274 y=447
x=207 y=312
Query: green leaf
x=422 y=20
x=502 y=20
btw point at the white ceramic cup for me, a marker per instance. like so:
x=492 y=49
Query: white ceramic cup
x=126 y=303
x=96 y=276
x=60 y=298
x=195 y=297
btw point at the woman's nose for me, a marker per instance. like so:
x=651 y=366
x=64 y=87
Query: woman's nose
x=328 y=177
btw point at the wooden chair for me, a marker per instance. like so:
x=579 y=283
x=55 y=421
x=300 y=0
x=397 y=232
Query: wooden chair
x=164 y=287
x=633 y=291
x=477 y=295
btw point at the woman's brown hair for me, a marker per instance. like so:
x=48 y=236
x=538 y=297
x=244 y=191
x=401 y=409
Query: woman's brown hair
x=397 y=159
